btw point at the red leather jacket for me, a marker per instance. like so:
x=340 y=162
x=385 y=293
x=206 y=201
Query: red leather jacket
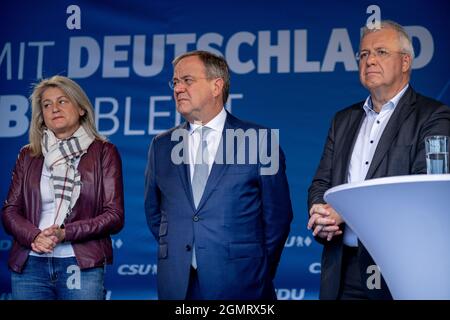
x=97 y=214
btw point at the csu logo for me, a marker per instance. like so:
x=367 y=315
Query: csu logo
x=117 y=243
x=137 y=269
x=298 y=241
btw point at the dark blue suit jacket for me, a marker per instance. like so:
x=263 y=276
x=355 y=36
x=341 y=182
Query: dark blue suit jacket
x=239 y=227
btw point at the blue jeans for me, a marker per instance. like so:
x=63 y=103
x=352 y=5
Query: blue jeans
x=46 y=278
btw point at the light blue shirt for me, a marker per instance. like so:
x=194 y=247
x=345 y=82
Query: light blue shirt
x=366 y=143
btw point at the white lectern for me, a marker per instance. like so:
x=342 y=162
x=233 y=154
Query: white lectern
x=404 y=222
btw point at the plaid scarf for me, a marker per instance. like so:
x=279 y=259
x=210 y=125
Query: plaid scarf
x=60 y=157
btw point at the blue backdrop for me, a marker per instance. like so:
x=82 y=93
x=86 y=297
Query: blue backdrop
x=293 y=66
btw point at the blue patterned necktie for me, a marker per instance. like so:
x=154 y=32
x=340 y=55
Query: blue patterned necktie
x=201 y=168
x=201 y=172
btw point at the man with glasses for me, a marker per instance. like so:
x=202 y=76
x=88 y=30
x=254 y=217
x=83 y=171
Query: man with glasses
x=220 y=225
x=379 y=137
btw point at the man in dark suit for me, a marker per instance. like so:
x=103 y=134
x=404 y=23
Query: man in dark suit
x=379 y=137
x=220 y=222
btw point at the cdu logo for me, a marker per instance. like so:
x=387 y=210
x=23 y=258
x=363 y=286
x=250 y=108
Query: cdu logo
x=315 y=268
x=290 y=294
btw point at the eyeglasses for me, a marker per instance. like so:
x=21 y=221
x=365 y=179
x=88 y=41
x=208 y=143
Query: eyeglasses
x=186 y=81
x=380 y=53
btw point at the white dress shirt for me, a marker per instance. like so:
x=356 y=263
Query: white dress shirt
x=366 y=143
x=212 y=140
x=62 y=250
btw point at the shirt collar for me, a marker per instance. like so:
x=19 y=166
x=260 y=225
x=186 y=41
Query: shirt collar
x=390 y=105
x=217 y=123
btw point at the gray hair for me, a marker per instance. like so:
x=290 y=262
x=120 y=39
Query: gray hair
x=403 y=37
x=75 y=94
x=216 y=67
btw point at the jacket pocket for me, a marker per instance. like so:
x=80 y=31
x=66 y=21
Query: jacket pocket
x=245 y=250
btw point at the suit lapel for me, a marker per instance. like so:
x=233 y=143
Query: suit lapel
x=184 y=171
x=355 y=121
x=219 y=165
x=405 y=106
